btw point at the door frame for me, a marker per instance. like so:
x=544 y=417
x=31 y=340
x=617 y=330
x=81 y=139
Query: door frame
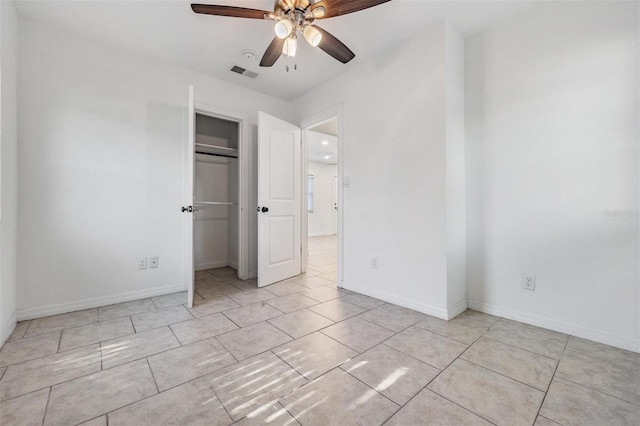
x=311 y=121
x=244 y=177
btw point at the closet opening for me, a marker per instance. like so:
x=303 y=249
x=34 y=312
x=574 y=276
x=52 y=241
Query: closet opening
x=216 y=227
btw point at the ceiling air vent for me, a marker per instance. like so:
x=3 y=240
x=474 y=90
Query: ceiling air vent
x=243 y=71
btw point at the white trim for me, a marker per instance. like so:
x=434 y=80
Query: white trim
x=212 y=265
x=304 y=193
x=8 y=327
x=457 y=309
x=559 y=326
x=400 y=301
x=335 y=112
x=61 y=308
x=251 y=275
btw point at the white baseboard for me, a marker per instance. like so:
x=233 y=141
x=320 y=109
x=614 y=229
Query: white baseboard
x=457 y=309
x=252 y=274
x=400 y=301
x=61 y=308
x=7 y=328
x=233 y=265
x=559 y=326
x=212 y=265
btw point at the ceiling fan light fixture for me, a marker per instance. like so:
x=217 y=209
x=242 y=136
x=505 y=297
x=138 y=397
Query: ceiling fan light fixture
x=318 y=12
x=290 y=46
x=312 y=35
x=283 y=28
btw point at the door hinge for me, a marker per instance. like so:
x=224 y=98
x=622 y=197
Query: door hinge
x=188 y=209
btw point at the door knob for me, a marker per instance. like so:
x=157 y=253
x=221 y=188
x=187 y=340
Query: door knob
x=265 y=209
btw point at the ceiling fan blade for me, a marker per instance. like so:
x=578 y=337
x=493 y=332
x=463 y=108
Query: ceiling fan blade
x=343 y=7
x=272 y=53
x=236 y=12
x=334 y=47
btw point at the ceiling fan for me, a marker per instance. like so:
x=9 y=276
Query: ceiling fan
x=293 y=17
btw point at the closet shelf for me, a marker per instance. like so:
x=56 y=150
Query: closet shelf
x=203 y=148
x=214 y=203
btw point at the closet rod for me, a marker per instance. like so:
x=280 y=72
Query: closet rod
x=215 y=203
x=217 y=155
x=222 y=148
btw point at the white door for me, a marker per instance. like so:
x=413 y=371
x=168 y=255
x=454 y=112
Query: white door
x=279 y=200
x=188 y=269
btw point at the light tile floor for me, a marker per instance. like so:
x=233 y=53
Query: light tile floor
x=305 y=352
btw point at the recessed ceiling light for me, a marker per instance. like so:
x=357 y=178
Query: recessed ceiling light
x=326 y=157
x=325 y=142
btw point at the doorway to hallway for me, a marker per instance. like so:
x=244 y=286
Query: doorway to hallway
x=322 y=197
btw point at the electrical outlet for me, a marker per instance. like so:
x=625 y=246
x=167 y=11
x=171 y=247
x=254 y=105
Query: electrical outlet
x=374 y=262
x=142 y=263
x=529 y=282
x=153 y=262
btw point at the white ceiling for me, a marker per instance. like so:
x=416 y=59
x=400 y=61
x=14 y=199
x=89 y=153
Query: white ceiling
x=329 y=127
x=171 y=32
x=320 y=146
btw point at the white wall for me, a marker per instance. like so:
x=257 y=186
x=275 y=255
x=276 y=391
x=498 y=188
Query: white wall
x=322 y=221
x=8 y=167
x=211 y=234
x=395 y=137
x=552 y=139
x=101 y=143
x=455 y=174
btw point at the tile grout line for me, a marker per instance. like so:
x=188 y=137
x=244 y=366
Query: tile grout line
x=43 y=356
x=222 y=404
x=46 y=407
x=152 y=375
x=518 y=347
x=27 y=329
x=133 y=325
x=176 y=337
x=551 y=381
x=60 y=341
x=58 y=383
x=227 y=349
x=239 y=328
x=307 y=334
x=293 y=368
x=153 y=303
x=426 y=387
x=339 y=367
x=581 y=385
x=504 y=375
x=101 y=357
x=287 y=411
x=96 y=417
